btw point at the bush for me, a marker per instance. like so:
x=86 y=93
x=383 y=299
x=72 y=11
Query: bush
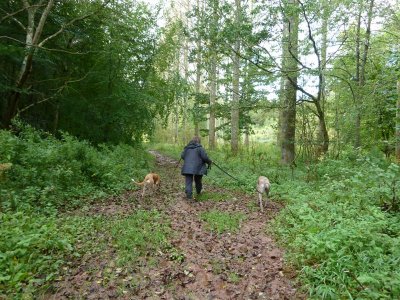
x=50 y=173
x=342 y=230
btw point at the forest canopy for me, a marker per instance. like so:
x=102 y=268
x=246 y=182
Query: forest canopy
x=84 y=67
x=323 y=74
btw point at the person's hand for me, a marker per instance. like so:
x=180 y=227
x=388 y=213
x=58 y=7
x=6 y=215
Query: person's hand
x=209 y=165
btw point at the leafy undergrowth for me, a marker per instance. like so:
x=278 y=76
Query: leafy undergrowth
x=31 y=251
x=36 y=250
x=49 y=176
x=341 y=221
x=343 y=232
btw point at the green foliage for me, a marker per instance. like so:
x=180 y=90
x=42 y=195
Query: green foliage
x=213 y=196
x=338 y=232
x=55 y=173
x=340 y=224
x=34 y=247
x=221 y=222
x=31 y=251
x=140 y=234
x=96 y=78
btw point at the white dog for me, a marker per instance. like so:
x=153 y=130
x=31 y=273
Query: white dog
x=263 y=186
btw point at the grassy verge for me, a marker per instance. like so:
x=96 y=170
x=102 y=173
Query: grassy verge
x=341 y=221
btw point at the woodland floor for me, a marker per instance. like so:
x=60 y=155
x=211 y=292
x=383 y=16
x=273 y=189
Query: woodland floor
x=242 y=265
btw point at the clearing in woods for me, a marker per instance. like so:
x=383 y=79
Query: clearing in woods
x=199 y=263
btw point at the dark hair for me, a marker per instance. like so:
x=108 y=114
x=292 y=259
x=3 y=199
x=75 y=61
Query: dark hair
x=196 y=139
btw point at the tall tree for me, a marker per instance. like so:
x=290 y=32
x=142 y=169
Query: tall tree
x=198 y=73
x=361 y=61
x=235 y=133
x=213 y=71
x=397 y=123
x=290 y=70
x=33 y=41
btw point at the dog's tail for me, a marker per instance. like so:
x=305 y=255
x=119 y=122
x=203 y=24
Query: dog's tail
x=138 y=183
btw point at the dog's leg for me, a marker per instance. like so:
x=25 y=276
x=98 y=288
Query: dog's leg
x=267 y=195
x=260 y=201
x=144 y=190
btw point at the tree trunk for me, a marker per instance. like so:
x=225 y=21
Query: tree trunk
x=357 y=141
x=398 y=123
x=289 y=66
x=247 y=139
x=235 y=86
x=213 y=92
x=56 y=118
x=213 y=75
x=360 y=70
x=31 y=41
x=323 y=137
x=322 y=130
x=280 y=115
x=198 y=77
x=185 y=96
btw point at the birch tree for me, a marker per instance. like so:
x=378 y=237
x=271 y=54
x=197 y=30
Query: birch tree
x=33 y=41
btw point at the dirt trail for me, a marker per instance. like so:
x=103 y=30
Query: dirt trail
x=242 y=265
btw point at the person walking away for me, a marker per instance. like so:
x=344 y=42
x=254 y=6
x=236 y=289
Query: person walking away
x=194 y=166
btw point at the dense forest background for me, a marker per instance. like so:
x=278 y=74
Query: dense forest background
x=323 y=74
x=305 y=92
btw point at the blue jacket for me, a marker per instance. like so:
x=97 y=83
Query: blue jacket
x=195 y=159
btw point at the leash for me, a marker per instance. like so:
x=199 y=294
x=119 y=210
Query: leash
x=241 y=182
x=215 y=164
x=177 y=164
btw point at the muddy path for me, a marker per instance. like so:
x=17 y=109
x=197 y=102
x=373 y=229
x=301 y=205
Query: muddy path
x=246 y=264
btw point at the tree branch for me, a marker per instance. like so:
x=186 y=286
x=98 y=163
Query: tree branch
x=11 y=15
x=70 y=23
x=59 y=90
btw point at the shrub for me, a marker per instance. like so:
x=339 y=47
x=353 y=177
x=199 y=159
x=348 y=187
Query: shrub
x=53 y=173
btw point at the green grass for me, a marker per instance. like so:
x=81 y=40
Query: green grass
x=233 y=277
x=221 y=222
x=140 y=234
x=214 y=196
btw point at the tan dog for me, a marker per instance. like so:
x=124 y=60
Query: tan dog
x=152 y=180
x=263 y=186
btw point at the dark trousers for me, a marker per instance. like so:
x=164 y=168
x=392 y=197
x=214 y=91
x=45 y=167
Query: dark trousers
x=189 y=184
